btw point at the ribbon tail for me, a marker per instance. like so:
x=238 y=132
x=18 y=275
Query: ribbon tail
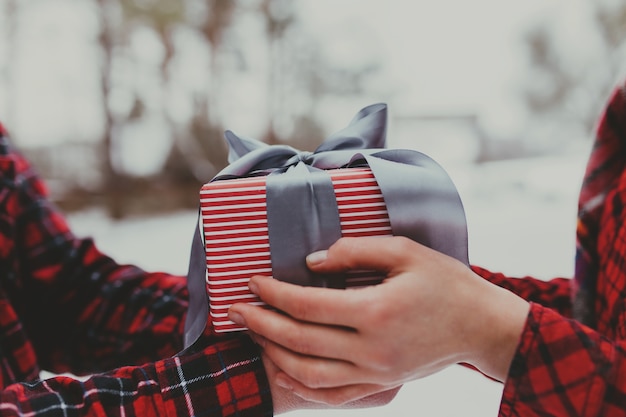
x=425 y=205
x=198 y=311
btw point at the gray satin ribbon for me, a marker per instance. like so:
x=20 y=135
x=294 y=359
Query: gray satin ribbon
x=422 y=201
x=302 y=217
x=198 y=310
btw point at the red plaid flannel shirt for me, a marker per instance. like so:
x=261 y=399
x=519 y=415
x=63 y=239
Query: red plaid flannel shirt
x=562 y=367
x=66 y=307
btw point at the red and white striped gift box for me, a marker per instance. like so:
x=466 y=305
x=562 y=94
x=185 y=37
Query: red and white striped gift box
x=234 y=219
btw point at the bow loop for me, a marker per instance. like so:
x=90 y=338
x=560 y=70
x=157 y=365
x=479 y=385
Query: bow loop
x=239 y=146
x=366 y=130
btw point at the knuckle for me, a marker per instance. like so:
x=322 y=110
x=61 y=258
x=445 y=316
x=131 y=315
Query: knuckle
x=262 y=322
x=379 y=312
x=344 y=251
x=342 y=244
x=299 y=309
x=297 y=342
x=401 y=244
x=312 y=377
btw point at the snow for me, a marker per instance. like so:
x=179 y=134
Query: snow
x=521 y=219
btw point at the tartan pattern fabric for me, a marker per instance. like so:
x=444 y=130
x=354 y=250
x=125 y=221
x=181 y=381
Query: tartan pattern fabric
x=564 y=367
x=67 y=307
x=606 y=165
x=221 y=380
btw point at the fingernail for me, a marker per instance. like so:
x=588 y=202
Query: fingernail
x=317 y=257
x=283 y=382
x=236 y=318
x=253 y=286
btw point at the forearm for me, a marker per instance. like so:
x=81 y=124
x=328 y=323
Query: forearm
x=95 y=315
x=84 y=312
x=493 y=330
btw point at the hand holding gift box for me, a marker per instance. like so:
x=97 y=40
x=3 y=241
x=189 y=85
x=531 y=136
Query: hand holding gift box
x=273 y=205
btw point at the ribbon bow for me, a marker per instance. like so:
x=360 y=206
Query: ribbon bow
x=421 y=201
x=367 y=130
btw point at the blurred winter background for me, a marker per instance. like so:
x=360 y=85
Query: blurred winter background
x=121 y=105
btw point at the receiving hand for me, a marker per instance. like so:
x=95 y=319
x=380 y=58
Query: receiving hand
x=339 y=346
x=286 y=399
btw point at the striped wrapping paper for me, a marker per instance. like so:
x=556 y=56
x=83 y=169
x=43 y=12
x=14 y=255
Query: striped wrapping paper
x=234 y=219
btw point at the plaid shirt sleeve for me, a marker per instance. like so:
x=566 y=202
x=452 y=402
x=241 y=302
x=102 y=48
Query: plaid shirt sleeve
x=555 y=293
x=85 y=314
x=563 y=368
x=224 y=379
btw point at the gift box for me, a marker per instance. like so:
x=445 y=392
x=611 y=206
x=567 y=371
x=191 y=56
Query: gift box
x=273 y=205
x=236 y=235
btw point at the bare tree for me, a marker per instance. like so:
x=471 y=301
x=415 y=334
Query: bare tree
x=207 y=125
x=164 y=17
x=113 y=181
x=279 y=15
x=570 y=94
x=11 y=20
x=215 y=26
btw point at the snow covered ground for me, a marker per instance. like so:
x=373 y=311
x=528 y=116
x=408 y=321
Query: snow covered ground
x=521 y=218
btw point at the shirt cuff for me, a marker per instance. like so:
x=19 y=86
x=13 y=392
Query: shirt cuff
x=555 y=369
x=224 y=379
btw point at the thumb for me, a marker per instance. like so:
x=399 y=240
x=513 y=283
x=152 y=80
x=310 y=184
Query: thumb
x=381 y=254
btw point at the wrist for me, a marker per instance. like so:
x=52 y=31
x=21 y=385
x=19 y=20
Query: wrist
x=500 y=323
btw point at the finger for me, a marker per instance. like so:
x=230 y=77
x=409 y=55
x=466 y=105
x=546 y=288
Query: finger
x=383 y=254
x=300 y=337
x=315 y=372
x=349 y=396
x=318 y=305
